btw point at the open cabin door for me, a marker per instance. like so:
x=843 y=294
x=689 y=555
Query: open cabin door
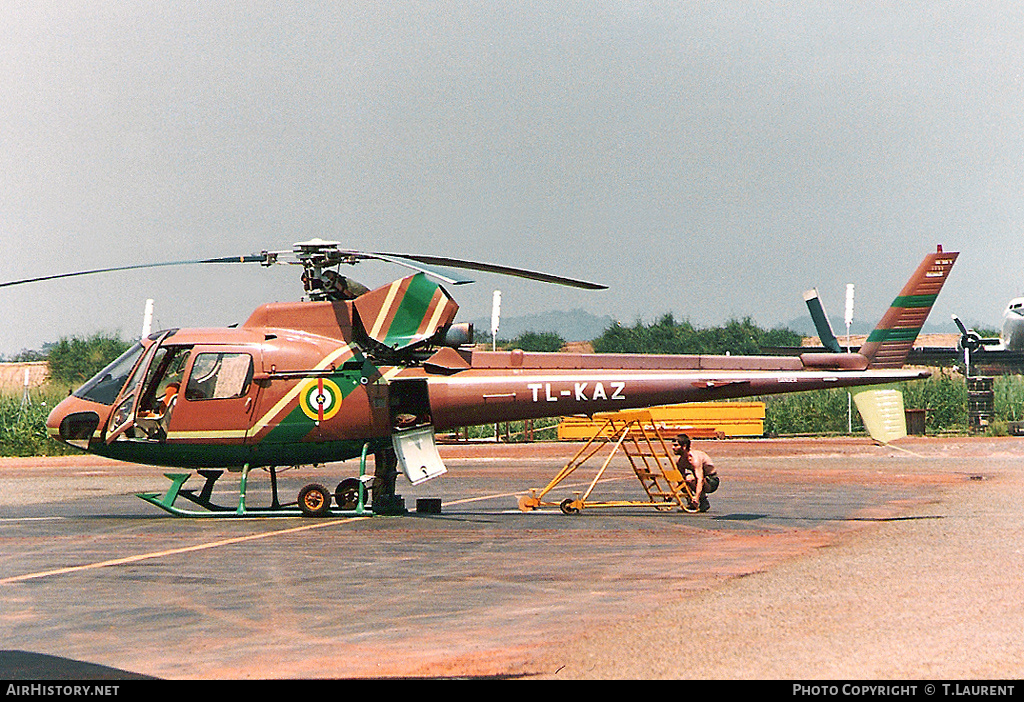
x=121 y=423
x=412 y=436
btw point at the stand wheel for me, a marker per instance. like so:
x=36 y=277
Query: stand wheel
x=568 y=507
x=346 y=495
x=314 y=500
x=528 y=504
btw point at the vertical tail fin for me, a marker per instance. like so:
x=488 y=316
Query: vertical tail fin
x=891 y=341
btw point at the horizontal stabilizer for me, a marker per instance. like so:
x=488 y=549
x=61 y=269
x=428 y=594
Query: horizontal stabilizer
x=881 y=408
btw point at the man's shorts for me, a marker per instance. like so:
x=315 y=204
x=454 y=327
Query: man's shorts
x=710 y=484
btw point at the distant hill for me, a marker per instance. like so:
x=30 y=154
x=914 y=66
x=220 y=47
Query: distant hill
x=575 y=325
x=805 y=325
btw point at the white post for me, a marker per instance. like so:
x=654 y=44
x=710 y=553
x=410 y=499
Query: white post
x=849 y=313
x=26 y=399
x=147 y=319
x=495 y=317
x=849 y=320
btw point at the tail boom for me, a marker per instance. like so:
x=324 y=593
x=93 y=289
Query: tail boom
x=481 y=397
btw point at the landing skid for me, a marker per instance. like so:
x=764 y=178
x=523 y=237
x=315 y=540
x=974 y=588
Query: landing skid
x=314 y=500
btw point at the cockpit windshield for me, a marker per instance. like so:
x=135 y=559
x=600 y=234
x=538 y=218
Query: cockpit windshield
x=105 y=385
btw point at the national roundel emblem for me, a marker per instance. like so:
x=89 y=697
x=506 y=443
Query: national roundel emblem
x=320 y=399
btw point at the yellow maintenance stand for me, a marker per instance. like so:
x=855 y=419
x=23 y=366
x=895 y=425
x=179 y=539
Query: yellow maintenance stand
x=637 y=435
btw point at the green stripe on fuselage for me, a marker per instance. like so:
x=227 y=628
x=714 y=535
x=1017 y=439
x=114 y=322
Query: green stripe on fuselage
x=296 y=425
x=412 y=309
x=237 y=455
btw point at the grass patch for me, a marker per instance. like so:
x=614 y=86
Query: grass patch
x=23 y=426
x=943 y=396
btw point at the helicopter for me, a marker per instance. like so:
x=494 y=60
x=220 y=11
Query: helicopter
x=350 y=372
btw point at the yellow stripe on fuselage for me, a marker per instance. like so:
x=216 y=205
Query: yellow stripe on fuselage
x=214 y=434
x=390 y=373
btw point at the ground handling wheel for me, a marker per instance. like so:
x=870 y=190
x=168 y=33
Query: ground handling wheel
x=569 y=506
x=346 y=495
x=528 y=503
x=314 y=500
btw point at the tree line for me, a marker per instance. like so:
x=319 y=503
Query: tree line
x=668 y=336
x=73 y=360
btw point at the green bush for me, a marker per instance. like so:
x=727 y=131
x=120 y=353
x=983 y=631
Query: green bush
x=666 y=336
x=1008 y=391
x=943 y=396
x=73 y=360
x=535 y=341
x=945 y=399
x=814 y=412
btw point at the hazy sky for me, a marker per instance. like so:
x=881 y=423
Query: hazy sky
x=709 y=159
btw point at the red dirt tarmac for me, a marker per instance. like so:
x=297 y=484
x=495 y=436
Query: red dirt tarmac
x=825 y=558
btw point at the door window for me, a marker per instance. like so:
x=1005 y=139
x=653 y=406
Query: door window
x=219 y=375
x=166 y=370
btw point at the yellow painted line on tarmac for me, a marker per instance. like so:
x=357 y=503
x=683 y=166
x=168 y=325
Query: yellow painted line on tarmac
x=524 y=492
x=174 y=551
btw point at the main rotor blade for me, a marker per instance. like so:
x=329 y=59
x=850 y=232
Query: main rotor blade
x=408 y=260
x=388 y=258
x=493 y=268
x=251 y=258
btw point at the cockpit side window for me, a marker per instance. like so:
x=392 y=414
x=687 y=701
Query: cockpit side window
x=105 y=385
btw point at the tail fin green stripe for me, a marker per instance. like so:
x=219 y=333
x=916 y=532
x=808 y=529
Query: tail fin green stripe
x=411 y=310
x=882 y=335
x=911 y=301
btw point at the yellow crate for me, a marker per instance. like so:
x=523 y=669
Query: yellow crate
x=699 y=419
